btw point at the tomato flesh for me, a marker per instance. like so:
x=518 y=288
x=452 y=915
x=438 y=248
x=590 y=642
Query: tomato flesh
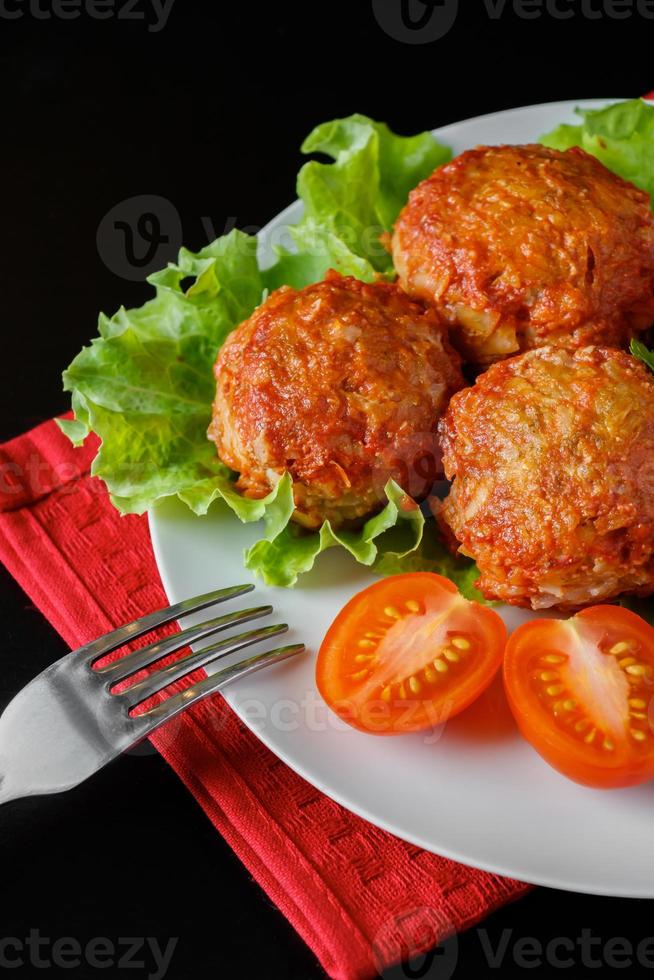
x=581 y=692
x=408 y=653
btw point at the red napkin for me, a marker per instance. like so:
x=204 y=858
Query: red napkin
x=359 y=897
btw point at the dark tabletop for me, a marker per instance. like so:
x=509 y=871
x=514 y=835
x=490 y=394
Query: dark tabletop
x=207 y=110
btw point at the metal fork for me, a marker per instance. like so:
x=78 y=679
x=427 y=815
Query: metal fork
x=69 y=722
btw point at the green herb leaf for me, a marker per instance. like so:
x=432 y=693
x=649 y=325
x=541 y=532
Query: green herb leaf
x=639 y=350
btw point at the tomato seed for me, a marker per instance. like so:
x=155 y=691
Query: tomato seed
x=555 y=689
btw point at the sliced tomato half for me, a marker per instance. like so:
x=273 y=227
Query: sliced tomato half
x=408 y=653
x=581 y=692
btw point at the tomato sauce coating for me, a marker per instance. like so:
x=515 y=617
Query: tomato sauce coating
x=522 y=246
x=552 y=458
x=341 y=384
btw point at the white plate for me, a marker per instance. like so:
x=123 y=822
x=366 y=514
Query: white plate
x=478 y=794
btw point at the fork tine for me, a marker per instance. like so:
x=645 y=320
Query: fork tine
x=125 y=634
x=160 y=679
x=130 y=664
x=161 y=713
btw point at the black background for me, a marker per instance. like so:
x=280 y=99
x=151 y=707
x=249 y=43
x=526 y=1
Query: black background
x=209 y=113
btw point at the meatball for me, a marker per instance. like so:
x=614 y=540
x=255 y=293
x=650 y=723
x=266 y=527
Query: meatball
x=341 y=384
x=552 y=457
x=522 y=246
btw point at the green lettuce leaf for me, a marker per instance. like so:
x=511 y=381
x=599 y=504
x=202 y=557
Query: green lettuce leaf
x=359 y=196
x=621 y=136
x=320 y=250
x=145 y=385
x=280 y=559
